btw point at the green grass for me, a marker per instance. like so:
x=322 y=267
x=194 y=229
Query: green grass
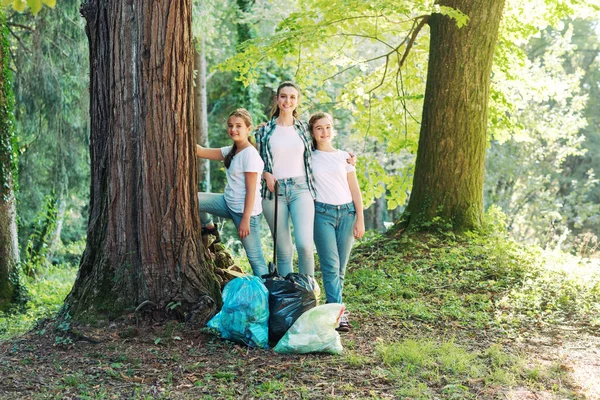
x=474 y=280
x=47 y=293
x=420 y=365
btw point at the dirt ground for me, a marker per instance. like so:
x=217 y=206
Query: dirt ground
x=174 y=362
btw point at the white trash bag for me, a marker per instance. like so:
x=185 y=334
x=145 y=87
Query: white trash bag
x=314 y=332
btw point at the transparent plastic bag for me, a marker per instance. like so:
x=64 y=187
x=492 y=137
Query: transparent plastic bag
x=244 y=317
x=314 y=332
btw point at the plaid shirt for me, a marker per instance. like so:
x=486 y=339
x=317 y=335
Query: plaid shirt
x=263 y=136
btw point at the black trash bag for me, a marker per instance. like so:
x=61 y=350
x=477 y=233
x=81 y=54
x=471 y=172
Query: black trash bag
x=289 y=298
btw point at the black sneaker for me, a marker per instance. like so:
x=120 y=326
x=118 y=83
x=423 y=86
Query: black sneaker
x=344 y=324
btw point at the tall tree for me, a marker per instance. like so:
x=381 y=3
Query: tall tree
x=9 y=250
x=449 y=170
x=143 y=242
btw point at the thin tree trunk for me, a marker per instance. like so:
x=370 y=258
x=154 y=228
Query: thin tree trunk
x=143 y=242
x=61 y=185
x=449 y=170
x=201 y=106
x=9 y=248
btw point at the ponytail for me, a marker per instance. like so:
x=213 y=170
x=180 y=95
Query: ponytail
x=229 y=156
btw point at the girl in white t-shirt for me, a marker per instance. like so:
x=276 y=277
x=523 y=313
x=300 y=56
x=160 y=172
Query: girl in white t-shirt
x=339 y=215
x=241 y=201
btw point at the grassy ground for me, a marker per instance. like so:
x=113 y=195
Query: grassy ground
x=433 y=316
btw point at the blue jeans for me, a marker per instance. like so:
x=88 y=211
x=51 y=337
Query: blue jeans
x=295 y=202
x=214 y=203
x=334 y=236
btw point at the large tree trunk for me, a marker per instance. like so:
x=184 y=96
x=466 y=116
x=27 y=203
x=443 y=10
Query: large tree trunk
x=201 y=106
x=449 y=170
x=143 y=239
x=9 y=249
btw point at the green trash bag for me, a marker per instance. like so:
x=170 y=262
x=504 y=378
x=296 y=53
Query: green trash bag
x=314 y=332
x=244 y=317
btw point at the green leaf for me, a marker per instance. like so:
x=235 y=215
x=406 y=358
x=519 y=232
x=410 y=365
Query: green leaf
x=49 y=3
x=19 y=5
x=35 y=5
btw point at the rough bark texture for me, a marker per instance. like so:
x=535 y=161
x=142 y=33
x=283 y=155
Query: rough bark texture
x=9 y=249
x=143 y=240
x=449 y=171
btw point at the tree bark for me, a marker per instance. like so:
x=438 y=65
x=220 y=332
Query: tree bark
x=9 y=248
x=143 y=240
x=201 y=109
x=449 y=170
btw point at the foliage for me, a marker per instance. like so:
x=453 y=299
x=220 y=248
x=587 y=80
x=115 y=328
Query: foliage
x=13 y=290
x=222 y=26
x=349 y=57
x=538 y=172
x=38 y=242
x=8 y=153
x=35 y=5
x=46 y=296
x=51 y=89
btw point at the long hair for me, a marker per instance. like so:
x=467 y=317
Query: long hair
x=311 y=124
x=247 y=118
x=275 y=107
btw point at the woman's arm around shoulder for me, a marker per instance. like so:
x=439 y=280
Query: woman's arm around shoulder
x=359 y=225
x=351 y=158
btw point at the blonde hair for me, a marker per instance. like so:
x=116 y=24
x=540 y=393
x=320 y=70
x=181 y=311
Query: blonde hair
x=247 y=118
x=275 y=108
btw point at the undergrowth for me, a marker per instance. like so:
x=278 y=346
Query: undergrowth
x=472 y=280
x=46 y=295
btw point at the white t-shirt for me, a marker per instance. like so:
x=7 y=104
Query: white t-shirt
x=287 y=149
x=246 y=160
x=330 y=170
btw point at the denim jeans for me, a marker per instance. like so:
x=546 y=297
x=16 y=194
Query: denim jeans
x=295 y=202
x=214 y=203
x=334 y=236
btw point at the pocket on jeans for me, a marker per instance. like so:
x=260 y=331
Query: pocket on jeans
x=352 y=213
x=320 y=209
x=301 y=185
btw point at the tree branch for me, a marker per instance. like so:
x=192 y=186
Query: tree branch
x=413 y=37
x=18 y=39
x=30 y=29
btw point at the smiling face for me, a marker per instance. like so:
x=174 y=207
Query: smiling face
x=287 y=99
x=237 y=129
x=322 y=131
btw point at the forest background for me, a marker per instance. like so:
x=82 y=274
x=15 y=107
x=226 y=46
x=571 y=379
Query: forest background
x=543 y=129
x=543 y=132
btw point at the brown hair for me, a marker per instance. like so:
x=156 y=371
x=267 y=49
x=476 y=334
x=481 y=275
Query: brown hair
x=313 y=119
x=247 y=118
x=275 y=107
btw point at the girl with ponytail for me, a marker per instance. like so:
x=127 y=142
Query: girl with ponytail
x=241 y=201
